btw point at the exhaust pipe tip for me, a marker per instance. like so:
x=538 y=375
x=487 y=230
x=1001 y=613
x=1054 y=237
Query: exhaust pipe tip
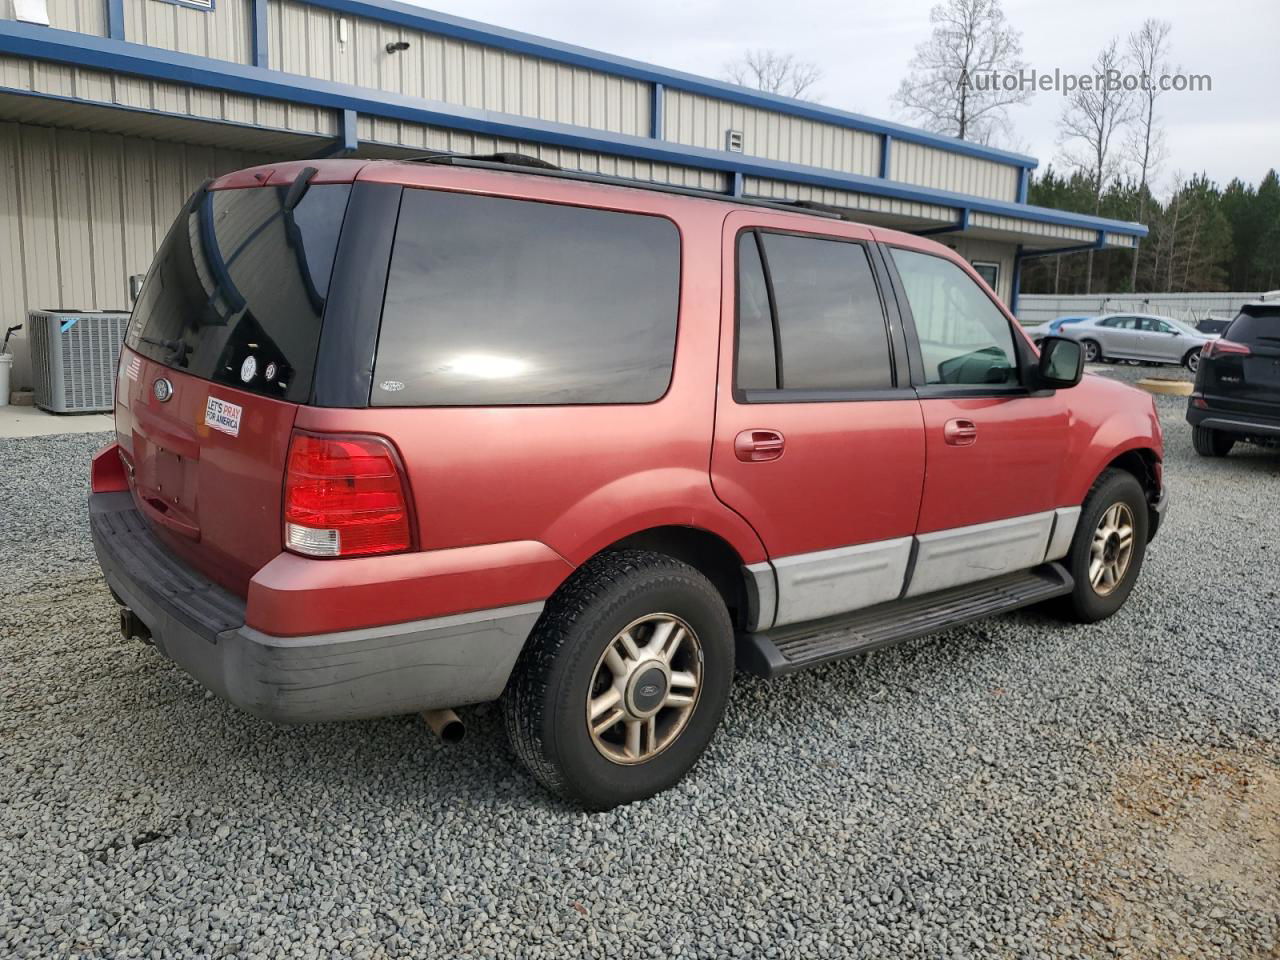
x=446 y=725
x=132 y=627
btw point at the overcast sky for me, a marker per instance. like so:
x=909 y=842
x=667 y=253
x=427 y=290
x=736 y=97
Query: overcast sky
x=863 y=47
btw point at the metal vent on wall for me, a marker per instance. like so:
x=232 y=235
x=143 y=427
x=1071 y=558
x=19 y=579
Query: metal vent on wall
x=73 y=358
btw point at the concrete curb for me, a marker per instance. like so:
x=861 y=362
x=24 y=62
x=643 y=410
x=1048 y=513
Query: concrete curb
x=1176 y=388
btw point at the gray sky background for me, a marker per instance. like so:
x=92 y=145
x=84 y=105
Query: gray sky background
x=863 y=47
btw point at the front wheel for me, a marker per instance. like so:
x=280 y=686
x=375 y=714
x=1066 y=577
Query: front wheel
x=1192 y=360
x=1108 y=548
x=623 y=682
x=1092 y=352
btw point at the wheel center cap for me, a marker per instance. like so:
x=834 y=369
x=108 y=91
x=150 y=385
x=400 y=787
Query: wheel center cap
x=647 y=690
x=1113 y=548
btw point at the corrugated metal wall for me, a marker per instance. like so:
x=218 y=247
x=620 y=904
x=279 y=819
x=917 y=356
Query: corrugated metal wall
x=224 y=33
x=82 y=16
x=306 y=40
x=1121 y=240
x=376 y=132
x=1033 y=228
x=80 y=212
x=781 y=190
x=98 y=86
x=942 y=170
x=699 y=121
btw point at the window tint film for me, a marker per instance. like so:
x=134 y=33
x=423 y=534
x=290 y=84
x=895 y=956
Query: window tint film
x=964 y=338
x=237 y=290
x=830 y=322
x=1256 y=325
x=493 y=301
x=757 y=365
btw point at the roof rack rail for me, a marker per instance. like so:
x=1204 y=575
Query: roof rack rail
x=541 y=168
x=506 y=159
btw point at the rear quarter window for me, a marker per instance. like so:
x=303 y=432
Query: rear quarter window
x=494 y=301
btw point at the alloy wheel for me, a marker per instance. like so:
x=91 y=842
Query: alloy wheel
x=1112 y=549
x=644 y=689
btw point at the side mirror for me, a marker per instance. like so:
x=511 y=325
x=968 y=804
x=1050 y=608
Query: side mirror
x=1061 y=364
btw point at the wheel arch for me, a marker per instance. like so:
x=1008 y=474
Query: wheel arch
x=708 y=553
x=1147 y=467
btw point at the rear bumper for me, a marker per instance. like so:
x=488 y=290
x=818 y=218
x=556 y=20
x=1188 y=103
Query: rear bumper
x=1232 y=422
x=400 y=668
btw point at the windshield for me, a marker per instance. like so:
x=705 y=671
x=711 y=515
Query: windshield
x=237 y=290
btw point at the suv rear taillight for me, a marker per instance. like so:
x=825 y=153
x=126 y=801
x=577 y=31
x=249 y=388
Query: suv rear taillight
x=344 y=496
x=1222 y=348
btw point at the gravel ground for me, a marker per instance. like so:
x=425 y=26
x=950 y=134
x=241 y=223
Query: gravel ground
x=1017 y=788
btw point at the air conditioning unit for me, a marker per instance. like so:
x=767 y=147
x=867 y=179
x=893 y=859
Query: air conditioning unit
x=73 y=358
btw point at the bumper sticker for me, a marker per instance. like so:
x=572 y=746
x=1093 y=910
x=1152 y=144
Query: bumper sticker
x=222 y=416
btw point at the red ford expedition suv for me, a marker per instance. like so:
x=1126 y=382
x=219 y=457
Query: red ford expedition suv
x=404 y=436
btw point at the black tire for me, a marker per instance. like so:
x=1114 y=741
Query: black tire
x=1192 y=360
x=1085 y=604
x=1095 y=347
x=1211 y=443
x=545 y=703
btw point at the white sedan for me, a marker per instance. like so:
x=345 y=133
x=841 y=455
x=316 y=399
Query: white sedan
x=1138 y=336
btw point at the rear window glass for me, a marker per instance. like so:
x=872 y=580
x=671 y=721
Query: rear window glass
x=237 y=290
x=492 y=301
x=1254 y=324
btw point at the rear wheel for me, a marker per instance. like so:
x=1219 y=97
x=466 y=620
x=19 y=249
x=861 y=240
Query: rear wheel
x=1092 y=352
x=623 y=681
x=1192 y=360
x=1108 y=548
x=1211 y=443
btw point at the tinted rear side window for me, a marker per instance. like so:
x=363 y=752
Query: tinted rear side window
x=831 y=331
x=492 y=301
x=237 y=290
x=1255 y=324
x=757 y=361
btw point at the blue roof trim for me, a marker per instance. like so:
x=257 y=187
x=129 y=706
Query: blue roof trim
x=406 y=15
x=102 y=53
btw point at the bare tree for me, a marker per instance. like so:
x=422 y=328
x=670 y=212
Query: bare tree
x=954 y=86
x=1094 y=112
x=1149 y=56
x=774 y=72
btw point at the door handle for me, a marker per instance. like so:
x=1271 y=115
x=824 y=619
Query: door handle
x=960 y=433
x=753 y=446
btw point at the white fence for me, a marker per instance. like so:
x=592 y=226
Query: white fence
x=1040 y=308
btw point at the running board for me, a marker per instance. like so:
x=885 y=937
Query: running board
x=786 y=649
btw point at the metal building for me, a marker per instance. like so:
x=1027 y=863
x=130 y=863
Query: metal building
x=112 y=111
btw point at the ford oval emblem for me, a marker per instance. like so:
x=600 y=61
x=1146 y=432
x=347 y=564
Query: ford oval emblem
x=162 y=389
